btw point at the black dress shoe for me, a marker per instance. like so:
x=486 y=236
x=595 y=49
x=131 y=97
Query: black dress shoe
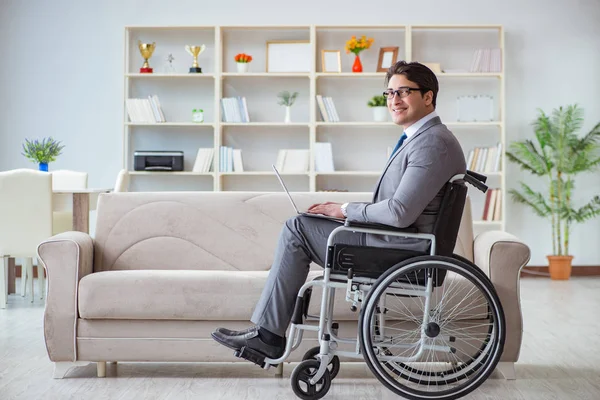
x=251 y=340
x=229 y=332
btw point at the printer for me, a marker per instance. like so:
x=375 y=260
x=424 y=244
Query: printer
x=158 y=161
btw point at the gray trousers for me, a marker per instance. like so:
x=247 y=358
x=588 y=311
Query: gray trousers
x=302 y=240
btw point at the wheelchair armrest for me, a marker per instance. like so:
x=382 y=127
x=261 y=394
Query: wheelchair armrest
x=383 y=227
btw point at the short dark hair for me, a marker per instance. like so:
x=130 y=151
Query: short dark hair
x=417 y=73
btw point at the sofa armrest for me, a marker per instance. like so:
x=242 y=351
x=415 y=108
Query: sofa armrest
x=66 y=257
x=501 y=256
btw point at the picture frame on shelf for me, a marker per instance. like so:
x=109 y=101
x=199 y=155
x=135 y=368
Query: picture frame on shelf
x=289 y=56
x=331 y=61
x=387 y=57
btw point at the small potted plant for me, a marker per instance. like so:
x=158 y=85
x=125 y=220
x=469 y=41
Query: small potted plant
x=356 y=46
x=242 y=60
x=43 y=152
x=287 y=99
x=379 y=106
x=557 y=157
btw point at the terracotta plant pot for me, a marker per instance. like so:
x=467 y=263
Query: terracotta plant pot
x=560 y=267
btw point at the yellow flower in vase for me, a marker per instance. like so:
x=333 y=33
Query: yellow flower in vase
x=356 y=46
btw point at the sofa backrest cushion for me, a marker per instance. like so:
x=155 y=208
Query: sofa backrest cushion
x=198 y=230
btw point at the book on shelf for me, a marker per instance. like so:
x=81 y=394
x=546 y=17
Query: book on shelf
x=234 y=109
x=485 y=159
x=230 y=159
x=492 y=208
x=238 y=165
x=292 y=161
x=204 y=160
x=146 y=110
x=327 y=109
x=487 y=60
x=323 y=157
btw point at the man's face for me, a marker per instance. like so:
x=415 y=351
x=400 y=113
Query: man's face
x=407 y=110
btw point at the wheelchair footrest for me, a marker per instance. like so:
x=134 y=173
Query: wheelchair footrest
x=251 y=355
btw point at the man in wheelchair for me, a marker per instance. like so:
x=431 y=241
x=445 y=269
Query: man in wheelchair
x=407 y=196
x=423 y=179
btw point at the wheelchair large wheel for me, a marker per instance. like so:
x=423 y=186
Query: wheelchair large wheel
x=432 y=327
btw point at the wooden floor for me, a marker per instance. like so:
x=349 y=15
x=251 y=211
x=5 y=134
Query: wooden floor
x=560 y=359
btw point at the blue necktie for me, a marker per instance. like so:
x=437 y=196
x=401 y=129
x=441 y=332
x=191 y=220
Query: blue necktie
x=402 y=138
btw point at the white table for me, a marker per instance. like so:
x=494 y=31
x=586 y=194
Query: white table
x=81 y=204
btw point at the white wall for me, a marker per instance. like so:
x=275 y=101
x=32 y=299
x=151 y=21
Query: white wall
x=61 y=73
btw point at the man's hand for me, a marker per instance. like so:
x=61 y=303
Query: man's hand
x=329 y=208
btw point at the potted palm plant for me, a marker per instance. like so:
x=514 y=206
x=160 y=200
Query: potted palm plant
x=43 y=152
x=557 y=155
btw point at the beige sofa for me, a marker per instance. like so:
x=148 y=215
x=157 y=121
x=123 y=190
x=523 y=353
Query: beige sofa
x=166 y=269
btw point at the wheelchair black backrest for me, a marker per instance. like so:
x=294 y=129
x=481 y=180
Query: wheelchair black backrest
x=448 y=220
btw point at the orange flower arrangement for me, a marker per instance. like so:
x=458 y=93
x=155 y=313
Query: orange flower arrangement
x=357 y=45
x=243 y=58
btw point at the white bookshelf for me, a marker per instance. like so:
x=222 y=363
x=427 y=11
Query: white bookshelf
x=359 y=144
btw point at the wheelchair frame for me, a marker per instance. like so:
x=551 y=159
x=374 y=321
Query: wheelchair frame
x=325 y=327
x=356 y=290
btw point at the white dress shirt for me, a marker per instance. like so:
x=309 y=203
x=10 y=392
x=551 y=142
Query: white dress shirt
x=414 y=128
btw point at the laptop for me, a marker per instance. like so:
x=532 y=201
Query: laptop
x=340 y=220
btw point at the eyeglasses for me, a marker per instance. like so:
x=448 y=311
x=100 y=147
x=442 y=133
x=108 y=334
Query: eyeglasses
x=401 y=92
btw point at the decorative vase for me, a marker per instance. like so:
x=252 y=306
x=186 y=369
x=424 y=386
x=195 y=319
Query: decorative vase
x=560 y=267
x=357 y=66
x=288 y=117
x=43 y=166
x=380 y=114
x=242 y=67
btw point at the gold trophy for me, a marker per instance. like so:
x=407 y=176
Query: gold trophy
x=146 y=49
x=195 y=51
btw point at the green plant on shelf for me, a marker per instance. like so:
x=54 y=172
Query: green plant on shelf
x=286 y=98
x=377 y=101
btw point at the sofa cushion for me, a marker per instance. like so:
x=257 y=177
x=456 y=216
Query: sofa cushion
x=182 y=295
x=206 y=295
x=196 y=230
x=227 y=231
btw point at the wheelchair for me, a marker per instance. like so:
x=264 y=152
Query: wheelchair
x=430 y=326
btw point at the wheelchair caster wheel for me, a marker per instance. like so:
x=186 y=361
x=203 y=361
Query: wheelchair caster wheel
x=301 y=381
x=333 y=366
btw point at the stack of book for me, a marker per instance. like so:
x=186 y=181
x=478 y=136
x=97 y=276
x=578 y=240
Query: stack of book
x=230 y=159
x=204 y=160
x=292 y=161
x=234 y=109
x=145 y=110
x=327 y=109
x=492 y=209
x=486 y=60
x=485 y=159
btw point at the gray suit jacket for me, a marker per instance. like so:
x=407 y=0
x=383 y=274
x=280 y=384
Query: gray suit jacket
x=410 y=189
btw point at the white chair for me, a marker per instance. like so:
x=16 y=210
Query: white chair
x=122 y=184
x=63 y=203
x=26 y=221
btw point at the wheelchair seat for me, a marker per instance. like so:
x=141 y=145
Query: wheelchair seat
x=372 y=262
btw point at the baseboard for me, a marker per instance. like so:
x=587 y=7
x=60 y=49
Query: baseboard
x=592 y=270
